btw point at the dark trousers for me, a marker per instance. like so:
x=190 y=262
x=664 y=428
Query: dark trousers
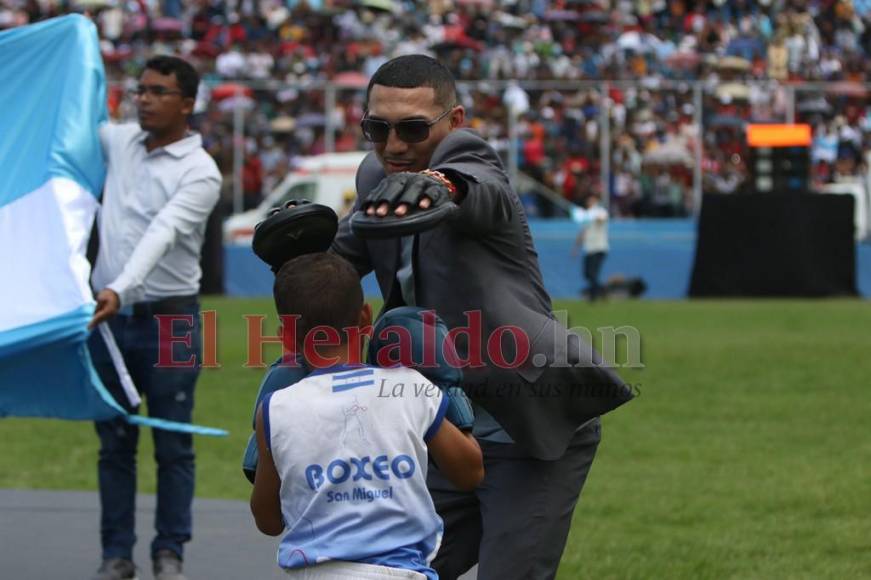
x=592 y=267
x=516 y=523
x=169 y=393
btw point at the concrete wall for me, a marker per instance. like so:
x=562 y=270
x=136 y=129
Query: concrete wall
x=660 y=251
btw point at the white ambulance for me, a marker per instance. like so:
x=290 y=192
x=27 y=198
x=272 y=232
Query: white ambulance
x=327 y=179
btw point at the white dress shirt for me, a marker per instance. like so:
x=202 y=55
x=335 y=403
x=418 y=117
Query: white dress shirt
x=595 y=224
x=153 y=218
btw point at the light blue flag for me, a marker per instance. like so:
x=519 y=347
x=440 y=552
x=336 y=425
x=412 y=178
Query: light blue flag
x=52 y=100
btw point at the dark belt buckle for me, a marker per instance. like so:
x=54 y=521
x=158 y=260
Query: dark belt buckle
x=142 y=309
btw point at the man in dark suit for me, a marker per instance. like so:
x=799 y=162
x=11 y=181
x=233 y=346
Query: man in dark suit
x=538 y=389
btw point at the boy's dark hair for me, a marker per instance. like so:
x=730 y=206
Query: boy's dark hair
x=322 y=289
x=187 y=77
x=416 y=70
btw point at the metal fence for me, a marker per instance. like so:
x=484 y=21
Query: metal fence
x=637 y=143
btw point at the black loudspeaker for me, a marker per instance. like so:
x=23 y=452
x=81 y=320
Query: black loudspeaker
x=212 y=258
x=775 y=244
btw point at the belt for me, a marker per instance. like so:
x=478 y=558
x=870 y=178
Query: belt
x=169 y=305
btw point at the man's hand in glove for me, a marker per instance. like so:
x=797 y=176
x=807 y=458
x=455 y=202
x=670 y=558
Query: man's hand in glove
x=404 y=204
x=403 y=190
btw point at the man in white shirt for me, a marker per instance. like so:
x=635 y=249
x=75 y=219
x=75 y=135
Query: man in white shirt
x=160 y=188
x=594 y=237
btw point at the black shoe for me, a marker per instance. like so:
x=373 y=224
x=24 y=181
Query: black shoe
x=116 y=569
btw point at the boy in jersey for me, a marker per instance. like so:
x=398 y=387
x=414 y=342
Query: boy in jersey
x=344 y=452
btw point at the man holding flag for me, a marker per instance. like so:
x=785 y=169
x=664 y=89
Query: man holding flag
x=160 y=188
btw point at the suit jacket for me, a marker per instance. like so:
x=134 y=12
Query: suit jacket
x=482 y=261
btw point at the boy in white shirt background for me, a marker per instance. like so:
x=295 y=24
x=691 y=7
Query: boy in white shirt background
x=594 y=238
x=344 y=452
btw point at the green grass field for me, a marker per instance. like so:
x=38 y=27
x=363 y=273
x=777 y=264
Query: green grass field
x=748 y=454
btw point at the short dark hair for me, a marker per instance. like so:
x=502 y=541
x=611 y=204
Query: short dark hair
x=416 y=70
x=187 y=77
x=323 y=289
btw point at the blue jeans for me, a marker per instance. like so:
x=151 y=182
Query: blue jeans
x=592 y=266
x=170 y=395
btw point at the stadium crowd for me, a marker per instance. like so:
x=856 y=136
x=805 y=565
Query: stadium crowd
x=747 y=54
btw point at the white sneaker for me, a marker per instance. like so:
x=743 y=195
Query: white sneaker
x=167 y=566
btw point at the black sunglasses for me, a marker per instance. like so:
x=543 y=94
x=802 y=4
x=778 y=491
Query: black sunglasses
x=408 y=130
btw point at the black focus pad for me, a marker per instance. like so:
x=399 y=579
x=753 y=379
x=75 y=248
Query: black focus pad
x=299 y=227
x=407 y=188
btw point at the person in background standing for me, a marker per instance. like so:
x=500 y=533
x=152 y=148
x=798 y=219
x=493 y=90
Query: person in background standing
x=594 y=238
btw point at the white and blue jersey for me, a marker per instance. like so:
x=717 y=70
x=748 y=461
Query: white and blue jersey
x=349 y=444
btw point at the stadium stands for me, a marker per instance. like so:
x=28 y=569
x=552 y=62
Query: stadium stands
x=750 y=55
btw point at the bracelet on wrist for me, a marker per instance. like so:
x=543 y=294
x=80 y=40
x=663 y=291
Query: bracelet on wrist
x=439 y=176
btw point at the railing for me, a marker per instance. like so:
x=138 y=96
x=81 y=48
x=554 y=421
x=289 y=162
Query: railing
x=671 y=108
